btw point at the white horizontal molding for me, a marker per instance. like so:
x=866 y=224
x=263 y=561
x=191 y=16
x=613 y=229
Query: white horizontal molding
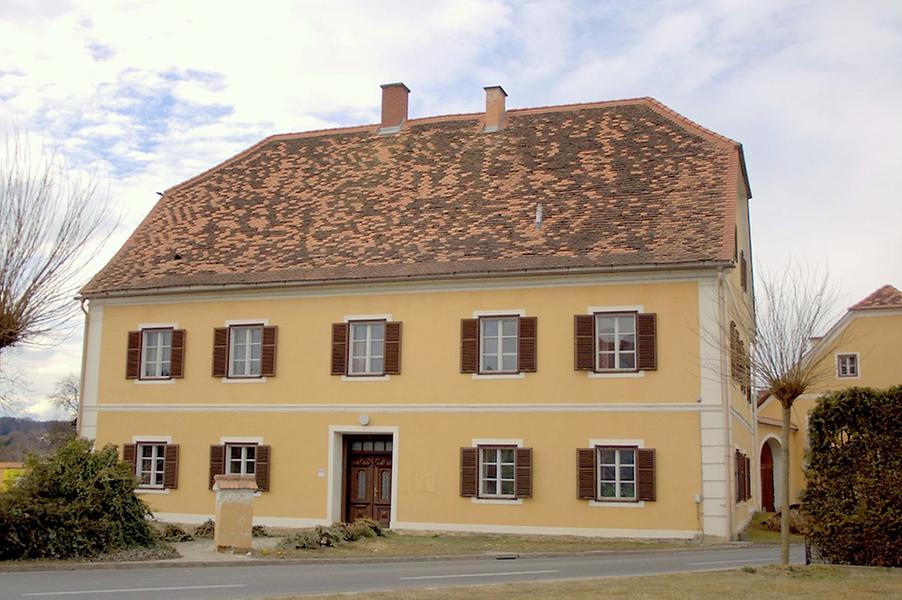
x=351 y=378
x=681 y=534
x=639 y=443
x=616 y=309
x=240 y=440
x=244 y=292
x=498 y=501
x=496 y=442
x=161 y=491
x=196 y=518
x=237 y=322
x=163 y=439
x=614 y=504
x=509 y=312
x=244 y=379
x=406 y=408
x=161 y=381
x=615 y=375
x=490 y=376
x=371 y=317
x=158 y=325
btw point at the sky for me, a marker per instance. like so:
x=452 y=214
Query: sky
x=144 y=94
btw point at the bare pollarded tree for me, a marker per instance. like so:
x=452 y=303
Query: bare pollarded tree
x=791 y=309
x=52 y=224
x=65 y=395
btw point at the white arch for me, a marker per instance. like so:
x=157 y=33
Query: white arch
x=775 y=444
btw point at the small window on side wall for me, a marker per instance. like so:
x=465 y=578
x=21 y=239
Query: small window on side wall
x=155 y=354
x=847 y=365
x=154 y=464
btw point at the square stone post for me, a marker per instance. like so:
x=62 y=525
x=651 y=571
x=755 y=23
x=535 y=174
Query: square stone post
x=234 y=512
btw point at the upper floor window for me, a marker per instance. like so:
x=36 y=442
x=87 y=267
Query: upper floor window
x=156 y=353
x=847 y=365
x=497 y=472
x=367 y=348
x=245 y=351
x=616 y=473
x=150 y=464
x=241 y=459
x=616 y=342
x=498 y=344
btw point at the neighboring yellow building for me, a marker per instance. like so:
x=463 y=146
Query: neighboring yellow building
x=863 y=349
x=509 y=321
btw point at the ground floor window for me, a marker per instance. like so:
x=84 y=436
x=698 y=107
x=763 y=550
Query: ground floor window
x=241 y=459
x=150 y=464
x=616 y=473
x=497 y=471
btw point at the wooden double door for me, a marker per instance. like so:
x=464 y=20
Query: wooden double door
x=368 y=478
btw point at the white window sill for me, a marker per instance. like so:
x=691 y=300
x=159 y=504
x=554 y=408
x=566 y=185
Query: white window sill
x=615 y=375
x=505 y=501
x=141 y=490
x=244 y=379
x=366 y=377
x=617 y=504
x=499 y=375
x=153 y=381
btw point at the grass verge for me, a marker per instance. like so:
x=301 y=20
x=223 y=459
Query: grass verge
x=759 y=534
x=447 y=544
x=762 y=583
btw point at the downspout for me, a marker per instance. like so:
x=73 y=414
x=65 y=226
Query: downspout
x=725 y=399
x=84 y=354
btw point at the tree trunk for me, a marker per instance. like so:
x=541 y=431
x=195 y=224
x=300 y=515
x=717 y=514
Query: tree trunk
x=784 y=487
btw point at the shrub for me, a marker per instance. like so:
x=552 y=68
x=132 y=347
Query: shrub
x=853 y=504
x=334 y=535
x=205 y=530
x=73 y=503
x=260 y=531
x=173 y=533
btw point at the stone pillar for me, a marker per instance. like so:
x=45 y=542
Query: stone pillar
x=234 y=512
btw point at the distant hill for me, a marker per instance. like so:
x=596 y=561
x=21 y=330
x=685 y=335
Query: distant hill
x=20 y=437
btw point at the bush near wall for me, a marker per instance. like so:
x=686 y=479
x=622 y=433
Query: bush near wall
x=73 y=503
x=853 y=503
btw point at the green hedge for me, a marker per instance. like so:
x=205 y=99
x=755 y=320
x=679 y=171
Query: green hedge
x=853 y=503
x=74 y=503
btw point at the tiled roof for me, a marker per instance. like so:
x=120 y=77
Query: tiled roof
x=885 y=297
x=622 y=184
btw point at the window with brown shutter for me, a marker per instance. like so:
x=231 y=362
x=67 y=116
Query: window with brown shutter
x=616 y=474
x=646 y=487
x=264 y=458
x=743 y=477
x=586 y=464
x=339 y=348
x=177 y=356
x=393 y=348
x=743 y=271
x=133 y=355
x=153 y=463
x=468 y=472
x=128 y=455
x=524 y=473
x=615 y=342
x=217 y=463
x=647 y=341
x=469 y=345
x=268 y=351
x=242 y=458
x=527 y=344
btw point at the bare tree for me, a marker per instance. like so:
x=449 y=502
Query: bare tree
x=52 y=224
x=791 y=309
x=65 y=395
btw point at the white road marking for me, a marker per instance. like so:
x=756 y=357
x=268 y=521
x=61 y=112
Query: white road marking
x=730 y=562
x=124 y=590
x=498 y=574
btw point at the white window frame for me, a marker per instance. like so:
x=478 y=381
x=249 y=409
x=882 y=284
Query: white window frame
x=158 y=458
x=618 y=497
x=498 y=479
x=499 y=354
x=243 y=460
x=158 y=362
x=597 y=316
x=247 y=351
x=368 y=355
x=844 y=355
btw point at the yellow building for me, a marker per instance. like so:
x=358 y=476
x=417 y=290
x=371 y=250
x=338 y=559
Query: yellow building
x=863 y=349
x=505 y=321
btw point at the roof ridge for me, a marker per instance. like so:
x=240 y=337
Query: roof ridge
x=886 y=296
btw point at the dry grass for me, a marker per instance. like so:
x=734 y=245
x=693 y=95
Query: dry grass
x=759 y=534
x=447 y=544
x=765 y=583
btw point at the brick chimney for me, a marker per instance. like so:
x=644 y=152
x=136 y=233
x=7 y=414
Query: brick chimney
x=495 y=114
x=394 y=107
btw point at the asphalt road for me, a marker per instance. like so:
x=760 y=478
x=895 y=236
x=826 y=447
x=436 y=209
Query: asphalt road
x=265 y=581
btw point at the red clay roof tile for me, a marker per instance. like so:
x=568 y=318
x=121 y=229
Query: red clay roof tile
x=885 y=297
x=622 y=184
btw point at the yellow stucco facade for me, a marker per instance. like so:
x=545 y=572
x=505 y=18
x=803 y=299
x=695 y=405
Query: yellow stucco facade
x=875 y=336
x=432 y=410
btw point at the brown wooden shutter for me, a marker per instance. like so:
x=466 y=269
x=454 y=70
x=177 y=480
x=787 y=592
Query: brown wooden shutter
x=262 y=467
x=737 y=458
x=220 y=352
x=177 y=358
x=133 y=356
x=217 y=462
x=584 y=344
x=645 y=474
x=647 y=342
x=268 y=352
x=524 y=473
x=469 y=345
x=526 y=338
x=129 y=456
x=171 y=467
x=469 y=484
x=585 y=473
x=339 y=348
x=393 y=348
x=743 y=271
x=734 y=351
x=748 y=478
